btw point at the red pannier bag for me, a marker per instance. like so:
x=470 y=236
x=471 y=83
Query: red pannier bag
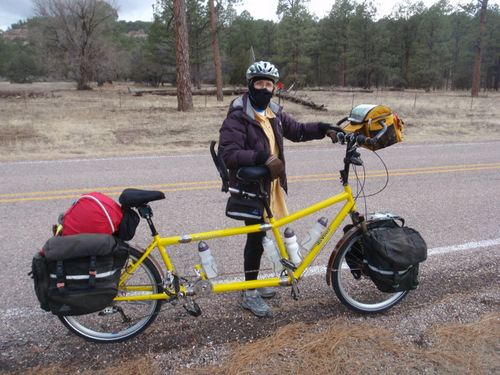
x=92 y=213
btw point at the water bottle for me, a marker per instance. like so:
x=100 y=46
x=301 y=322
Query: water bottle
x=292 y=247
x=314 y=234
x=272 y=254
x=207 y=260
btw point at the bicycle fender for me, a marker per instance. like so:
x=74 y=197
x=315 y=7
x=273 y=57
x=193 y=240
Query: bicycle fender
x=339 y=244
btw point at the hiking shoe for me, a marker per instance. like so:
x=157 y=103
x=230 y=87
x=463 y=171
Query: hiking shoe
x=266 y=292
x=251 y=300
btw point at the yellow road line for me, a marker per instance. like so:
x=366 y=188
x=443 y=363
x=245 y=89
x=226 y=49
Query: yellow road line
x=185 y=186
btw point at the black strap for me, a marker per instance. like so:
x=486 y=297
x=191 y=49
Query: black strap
x=396 y=279
x=92 y=271
x=61 y=285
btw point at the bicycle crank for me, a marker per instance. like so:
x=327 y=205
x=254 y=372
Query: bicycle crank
x=295 y=292
x=290 y=267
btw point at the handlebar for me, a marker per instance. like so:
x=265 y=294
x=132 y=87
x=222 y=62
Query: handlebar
x=353 y=139
x=361 y=140
x=221 y=166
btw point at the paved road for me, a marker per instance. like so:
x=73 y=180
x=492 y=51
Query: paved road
x=449 y=192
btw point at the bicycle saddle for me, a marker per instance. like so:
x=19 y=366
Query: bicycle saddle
x=252 y=174
x=136 y=197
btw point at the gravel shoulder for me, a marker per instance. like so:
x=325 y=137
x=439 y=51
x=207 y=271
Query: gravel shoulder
x=453 y=292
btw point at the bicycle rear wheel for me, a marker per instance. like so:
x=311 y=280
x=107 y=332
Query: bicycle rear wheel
x=122 y=320
x=354 y=289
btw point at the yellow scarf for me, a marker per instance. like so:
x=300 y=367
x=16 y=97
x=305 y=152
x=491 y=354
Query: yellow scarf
x=277 y=198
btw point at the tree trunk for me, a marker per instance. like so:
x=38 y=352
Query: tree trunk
x=476 y=77
x=407 y=68
x=215 y=43
x=184 y=96
x=344 y=67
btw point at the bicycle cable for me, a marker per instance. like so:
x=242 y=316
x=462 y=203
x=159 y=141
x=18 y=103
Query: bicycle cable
x=386 y=177
x=360 y=182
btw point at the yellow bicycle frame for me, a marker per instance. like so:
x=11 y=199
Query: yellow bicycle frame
x=273 y=225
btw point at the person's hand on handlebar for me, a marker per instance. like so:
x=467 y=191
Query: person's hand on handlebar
x=330 y=131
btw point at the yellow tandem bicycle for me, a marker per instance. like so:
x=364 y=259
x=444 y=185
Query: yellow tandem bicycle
x=145 y=285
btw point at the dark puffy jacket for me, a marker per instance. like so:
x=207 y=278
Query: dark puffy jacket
x=242 y=136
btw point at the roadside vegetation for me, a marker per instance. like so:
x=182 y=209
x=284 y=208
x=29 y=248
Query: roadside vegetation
x=415 y=47
x=53 y=121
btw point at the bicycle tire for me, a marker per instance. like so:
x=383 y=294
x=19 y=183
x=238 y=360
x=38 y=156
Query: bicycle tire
x=355 y=290
x=123 y=319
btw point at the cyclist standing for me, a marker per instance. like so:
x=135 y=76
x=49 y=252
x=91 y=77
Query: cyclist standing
x=252 y=134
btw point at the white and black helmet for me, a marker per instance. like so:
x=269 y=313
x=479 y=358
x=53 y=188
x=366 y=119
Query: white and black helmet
x=263 y=69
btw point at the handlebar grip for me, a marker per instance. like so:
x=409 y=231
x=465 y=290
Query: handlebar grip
x=221 y=166
x=341 y=121
x=361 y=140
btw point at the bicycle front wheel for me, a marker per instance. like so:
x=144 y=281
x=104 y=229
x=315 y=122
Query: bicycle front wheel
x=354 y=289
x=122 y=320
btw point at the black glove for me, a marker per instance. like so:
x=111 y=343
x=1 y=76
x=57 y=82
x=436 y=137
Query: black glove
x=330 y=131
x=275 y=166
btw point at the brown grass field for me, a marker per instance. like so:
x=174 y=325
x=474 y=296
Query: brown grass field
x=52 y=121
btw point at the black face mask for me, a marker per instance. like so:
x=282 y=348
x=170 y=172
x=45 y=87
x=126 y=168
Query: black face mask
x=260 y=98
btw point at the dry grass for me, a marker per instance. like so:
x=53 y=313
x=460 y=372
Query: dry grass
x=53 y=120
x=342 y=347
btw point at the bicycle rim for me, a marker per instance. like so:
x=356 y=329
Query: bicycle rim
x=123 y=319
x=355 y=290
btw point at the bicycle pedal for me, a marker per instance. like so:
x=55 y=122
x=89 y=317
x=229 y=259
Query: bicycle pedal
x=192 y=309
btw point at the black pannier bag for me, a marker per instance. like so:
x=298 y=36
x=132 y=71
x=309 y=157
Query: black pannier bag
x=40 y=275
x=78 y=274
x=241 y=208
x=392 y=257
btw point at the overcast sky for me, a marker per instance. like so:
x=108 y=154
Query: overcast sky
x=11 y=11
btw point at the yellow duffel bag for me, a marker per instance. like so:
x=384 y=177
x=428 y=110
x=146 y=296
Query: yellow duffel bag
x=369 y=120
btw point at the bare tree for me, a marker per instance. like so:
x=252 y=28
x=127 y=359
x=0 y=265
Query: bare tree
x=184 y=95
x=215 y=42
x=73 y=33
x=476 y=76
